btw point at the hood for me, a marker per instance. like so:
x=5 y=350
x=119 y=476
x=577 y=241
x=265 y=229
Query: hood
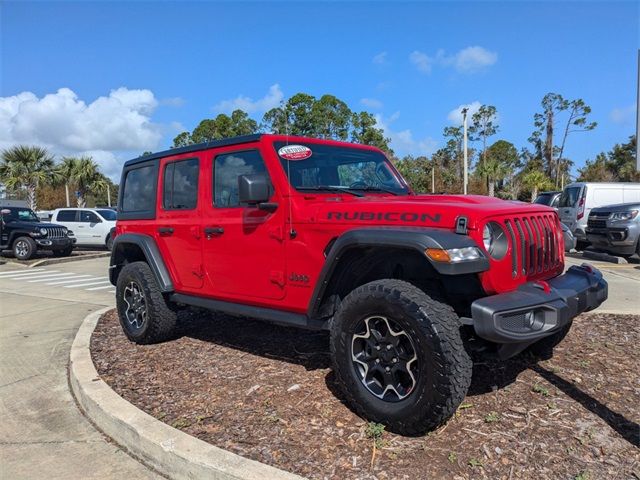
x=32 y=225
x=440 y=211
x=619 y=207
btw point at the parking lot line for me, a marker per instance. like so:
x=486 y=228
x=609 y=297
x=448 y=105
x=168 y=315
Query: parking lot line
x=71 y=280
x=86 y=284
x=26 y=275
x=10 y=272
x=50 y=276
x=100 y=288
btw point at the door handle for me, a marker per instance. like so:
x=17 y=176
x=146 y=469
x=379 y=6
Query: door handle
x=165 y=231
x=211 y=231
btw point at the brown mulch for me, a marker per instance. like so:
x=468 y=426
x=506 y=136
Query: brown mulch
x=268 y=393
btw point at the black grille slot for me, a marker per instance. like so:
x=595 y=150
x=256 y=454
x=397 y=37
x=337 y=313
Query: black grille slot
x=514 y=249
x=523 y=248
x=56 y=232
x=597 y=221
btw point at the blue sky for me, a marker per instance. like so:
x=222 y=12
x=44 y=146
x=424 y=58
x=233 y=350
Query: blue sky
x=116 y=78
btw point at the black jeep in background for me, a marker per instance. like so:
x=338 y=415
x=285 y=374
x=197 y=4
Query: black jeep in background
x=22 y=231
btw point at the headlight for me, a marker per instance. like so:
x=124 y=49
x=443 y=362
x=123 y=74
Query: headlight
x=43 y=231
x=495 y=240
x=630 y=215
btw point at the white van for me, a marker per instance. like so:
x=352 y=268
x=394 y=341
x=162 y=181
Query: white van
x=91 y=226
x=579 y=198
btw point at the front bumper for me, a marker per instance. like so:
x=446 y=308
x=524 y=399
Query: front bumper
x=621 y=239
x=538 y=309
x=55 y=243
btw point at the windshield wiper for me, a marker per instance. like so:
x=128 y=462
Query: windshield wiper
x=332 y=188
x=371 y=188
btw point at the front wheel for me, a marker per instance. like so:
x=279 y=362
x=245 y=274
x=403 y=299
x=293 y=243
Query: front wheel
x=399 y=357
x=24 y=248
x=145 y=315
x=109 y=243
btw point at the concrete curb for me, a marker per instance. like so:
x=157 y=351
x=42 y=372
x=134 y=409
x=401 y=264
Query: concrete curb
x=603 y=257
x=166 y=449
x=52 y=261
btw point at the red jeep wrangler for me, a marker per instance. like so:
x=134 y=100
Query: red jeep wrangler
x=327 y=235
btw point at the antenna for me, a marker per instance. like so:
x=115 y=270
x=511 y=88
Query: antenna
x=292 y=232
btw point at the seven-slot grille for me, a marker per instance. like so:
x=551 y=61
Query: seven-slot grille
x=56 y=232
x=598 y=220
x=535 y=244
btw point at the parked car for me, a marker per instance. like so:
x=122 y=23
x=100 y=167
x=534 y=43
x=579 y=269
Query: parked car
x=550 y=199
x=615 y=229
x=22 y=231
x=92 y=226
x=579 y=198
x=327 y=235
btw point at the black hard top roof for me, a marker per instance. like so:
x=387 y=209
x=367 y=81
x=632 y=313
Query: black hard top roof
x=194 y=148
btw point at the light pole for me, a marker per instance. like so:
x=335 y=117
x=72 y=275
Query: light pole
x=638 y=117
x=464 y=147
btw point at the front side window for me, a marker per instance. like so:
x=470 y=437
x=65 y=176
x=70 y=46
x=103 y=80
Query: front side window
x=332 y=167
x=139 y=190
x=569 y=197
x=88 y=217
x=180 y=185
x=226 y=170
x=66 y=216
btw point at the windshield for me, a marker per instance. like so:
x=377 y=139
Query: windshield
x=569 y=197
x=108 y=215
x=329 y=167
x=18 y=213
x=544 y=199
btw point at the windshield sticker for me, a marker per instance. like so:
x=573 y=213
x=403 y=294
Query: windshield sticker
x=295 y=152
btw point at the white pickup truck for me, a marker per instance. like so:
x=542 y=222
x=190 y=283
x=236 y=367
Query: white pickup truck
x=92 y=226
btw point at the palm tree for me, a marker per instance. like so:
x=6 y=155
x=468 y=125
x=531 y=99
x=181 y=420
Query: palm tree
x=65 y=174
x=86 y=176
x=536 y=180
x=27 y=167
x=494 y=170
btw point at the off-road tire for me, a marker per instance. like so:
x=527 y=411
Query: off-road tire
x=65 y=252
x=581 y=245
x=434 y=329
x=24 y=248
x=543 y=349
x=160 y=320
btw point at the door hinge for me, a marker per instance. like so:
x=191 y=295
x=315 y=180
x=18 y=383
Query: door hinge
x=276 y=233
x=198 y=271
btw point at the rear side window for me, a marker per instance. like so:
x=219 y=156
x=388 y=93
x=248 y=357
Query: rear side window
x=139 y=192
x=569 y=197
x=180 y=185
x=66 y=216
x=227 y=169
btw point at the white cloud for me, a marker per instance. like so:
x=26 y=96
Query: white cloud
x=455 y=115
x=403 y=141
x=380 y=59
x=271 y=100
x=623 y=115
x=172 y=102
x=467 y=60
x=422 y=61
x=116 y=124
x=371 y=103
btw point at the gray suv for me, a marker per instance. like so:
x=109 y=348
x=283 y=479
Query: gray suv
x=615 y=228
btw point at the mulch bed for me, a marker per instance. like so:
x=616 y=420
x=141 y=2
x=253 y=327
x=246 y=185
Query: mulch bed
x=267 y=393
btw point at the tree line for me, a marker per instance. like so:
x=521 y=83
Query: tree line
x=32 y=173
x=498 y=168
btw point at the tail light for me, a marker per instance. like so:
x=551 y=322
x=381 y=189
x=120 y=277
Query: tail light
x=581 y=203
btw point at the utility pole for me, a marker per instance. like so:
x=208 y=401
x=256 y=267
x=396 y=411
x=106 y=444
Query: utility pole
x=433 y=177
x=464 y=141
x=109 y=195
x=638 y=116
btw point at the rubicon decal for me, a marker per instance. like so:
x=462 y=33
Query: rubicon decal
x=406 y=217
x=295 y=152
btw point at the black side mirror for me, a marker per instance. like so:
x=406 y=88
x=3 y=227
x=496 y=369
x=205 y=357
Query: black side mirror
x=255 y=190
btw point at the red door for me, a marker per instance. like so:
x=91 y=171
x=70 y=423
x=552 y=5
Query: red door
x=243 y=252
x=178 y=217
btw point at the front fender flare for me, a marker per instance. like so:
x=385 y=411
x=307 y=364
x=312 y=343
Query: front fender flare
x=151 y=253
x=410 y=238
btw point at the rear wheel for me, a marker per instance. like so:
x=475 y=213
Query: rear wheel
x=24 y=248
x=398 y=356
x=145 y=315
